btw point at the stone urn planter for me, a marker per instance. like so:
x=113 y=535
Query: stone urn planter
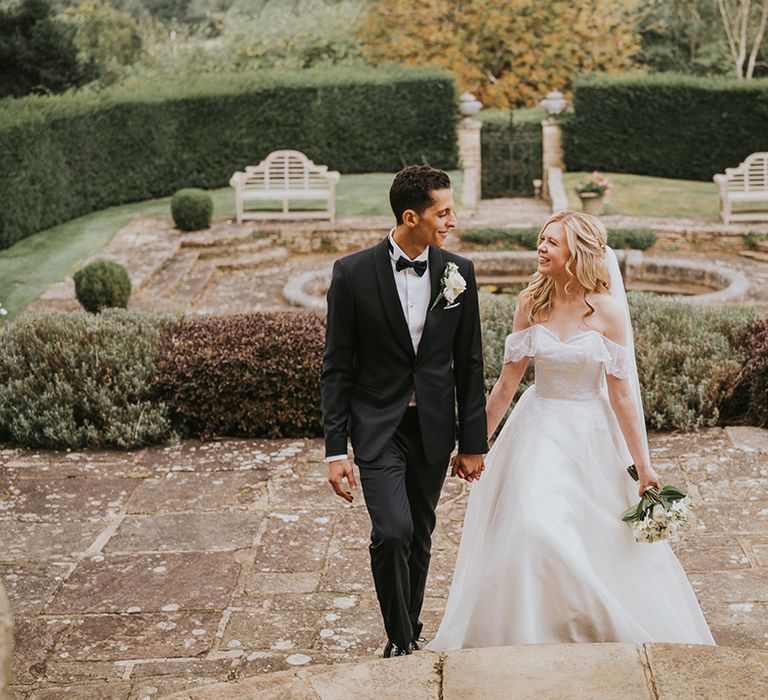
x=592 y=203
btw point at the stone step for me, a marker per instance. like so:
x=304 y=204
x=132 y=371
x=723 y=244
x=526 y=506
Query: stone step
x=759 y=255
x=563 y=671
x=248 y=261
x=251 y=246
x=190 y=289
x=167 y=279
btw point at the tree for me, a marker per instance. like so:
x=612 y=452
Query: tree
x=744 y=25
x=37 y=51
x=107 y=38
x=683 y=36
x=508 y=52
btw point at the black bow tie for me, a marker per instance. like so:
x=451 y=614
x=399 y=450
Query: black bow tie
x=419 y=266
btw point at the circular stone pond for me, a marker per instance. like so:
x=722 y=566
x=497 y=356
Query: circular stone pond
x=697 y=282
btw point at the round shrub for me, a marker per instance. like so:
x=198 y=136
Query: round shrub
x=191 y=209
x=102 y=284
x=76 y=380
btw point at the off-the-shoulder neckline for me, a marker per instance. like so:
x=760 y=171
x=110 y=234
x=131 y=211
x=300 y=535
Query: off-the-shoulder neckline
x=573 y=337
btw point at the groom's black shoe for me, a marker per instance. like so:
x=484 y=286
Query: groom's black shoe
x=392 y=649
x=417 y=644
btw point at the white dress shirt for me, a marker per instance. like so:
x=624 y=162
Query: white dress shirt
x=414 y=293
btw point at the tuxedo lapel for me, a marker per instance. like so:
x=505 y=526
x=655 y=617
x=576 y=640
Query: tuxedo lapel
x=389 y=297
x=435 y=275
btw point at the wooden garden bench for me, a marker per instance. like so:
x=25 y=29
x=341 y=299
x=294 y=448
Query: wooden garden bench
x=746 y=183
x=285 y=176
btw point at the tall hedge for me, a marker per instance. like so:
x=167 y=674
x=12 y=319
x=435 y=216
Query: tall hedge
x=665 y=125
x=510 y=143
x=68 y=155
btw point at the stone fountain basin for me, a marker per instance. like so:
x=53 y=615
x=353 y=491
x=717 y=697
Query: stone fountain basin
x=697 y=282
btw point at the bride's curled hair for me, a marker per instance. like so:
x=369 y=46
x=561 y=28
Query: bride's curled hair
x=586 y=238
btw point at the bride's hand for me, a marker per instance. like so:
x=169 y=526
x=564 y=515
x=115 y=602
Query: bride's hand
x=648 y=478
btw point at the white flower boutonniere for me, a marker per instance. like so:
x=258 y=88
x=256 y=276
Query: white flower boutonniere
x=452 y=285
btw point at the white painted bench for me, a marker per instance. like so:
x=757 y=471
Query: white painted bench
x=284 y=176
x=746 y=183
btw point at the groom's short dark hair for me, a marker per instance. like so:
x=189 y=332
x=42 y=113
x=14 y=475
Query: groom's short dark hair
x=412 y=186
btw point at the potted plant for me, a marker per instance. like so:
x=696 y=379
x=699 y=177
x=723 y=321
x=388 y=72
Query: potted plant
x=592 y=192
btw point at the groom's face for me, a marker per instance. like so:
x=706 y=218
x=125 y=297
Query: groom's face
x=433 y=225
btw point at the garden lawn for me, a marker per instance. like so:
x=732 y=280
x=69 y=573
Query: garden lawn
x=30 y=266
x=641 y=195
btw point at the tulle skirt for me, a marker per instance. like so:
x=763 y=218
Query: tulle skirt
x=544 y=555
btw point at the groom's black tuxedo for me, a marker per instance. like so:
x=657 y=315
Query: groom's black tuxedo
x=370 y=369
x=370 y=372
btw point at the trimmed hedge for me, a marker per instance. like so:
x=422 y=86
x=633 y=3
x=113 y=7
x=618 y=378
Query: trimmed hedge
x=750 y=395
x=64 y=156
x=636 y=238
x=688 y=356
x=75 y=379
x=128 y=379
x=666 y=125
x=510 y=145
x=250 y=375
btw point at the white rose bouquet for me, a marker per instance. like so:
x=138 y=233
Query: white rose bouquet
x=452 y=285
x=658 y=514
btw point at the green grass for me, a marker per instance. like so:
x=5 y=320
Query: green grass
x=641 y=195
x=30 y=266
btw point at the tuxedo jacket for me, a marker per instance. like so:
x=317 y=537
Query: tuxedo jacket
x=370 y=370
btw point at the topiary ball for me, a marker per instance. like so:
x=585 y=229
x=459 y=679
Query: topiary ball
x=191 y=209
x=102 y=284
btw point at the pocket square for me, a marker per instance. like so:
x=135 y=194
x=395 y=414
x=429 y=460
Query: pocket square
x=451 y=306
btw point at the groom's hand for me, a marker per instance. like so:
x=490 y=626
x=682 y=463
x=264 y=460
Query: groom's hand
x=338 y=470
x=468 y=467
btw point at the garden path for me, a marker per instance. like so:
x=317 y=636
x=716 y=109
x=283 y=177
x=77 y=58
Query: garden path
x=138 y=574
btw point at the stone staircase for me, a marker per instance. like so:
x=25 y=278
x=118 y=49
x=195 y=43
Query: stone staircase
x=546 y=671
x=759 y=252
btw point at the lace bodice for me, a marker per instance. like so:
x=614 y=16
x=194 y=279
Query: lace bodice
x=570 y=369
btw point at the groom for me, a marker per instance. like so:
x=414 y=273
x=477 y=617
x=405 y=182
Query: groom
x=403 y=350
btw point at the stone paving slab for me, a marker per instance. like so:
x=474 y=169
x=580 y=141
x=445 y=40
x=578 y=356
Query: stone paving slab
x=148 y=583
x=197 y=563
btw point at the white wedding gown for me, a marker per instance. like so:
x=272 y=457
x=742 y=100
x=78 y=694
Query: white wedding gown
x=544 y=554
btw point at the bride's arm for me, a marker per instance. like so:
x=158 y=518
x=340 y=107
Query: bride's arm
x=624 y=406
x=509 y=379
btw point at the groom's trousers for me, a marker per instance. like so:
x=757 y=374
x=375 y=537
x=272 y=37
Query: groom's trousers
x=401 y=492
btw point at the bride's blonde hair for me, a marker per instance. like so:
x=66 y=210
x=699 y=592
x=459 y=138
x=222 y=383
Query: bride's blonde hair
x=586 y=239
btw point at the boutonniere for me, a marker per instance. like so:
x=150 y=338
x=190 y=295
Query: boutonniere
x=452 y=284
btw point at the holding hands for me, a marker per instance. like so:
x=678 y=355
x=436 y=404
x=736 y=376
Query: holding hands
x=467 y=467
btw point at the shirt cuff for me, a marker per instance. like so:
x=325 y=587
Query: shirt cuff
x=335 y=458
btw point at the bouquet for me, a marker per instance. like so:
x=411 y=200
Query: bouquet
x=659 y=513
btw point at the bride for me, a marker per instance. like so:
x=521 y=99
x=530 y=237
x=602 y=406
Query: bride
x=544 y=554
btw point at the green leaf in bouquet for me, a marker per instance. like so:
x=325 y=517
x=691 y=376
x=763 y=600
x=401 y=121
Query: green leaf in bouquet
x=631 y=514
x=633 y=472
x=672 y=493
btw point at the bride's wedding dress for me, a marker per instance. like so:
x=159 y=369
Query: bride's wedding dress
x=544 y=555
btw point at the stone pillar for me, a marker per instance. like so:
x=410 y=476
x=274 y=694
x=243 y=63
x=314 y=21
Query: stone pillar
x=6 y=644
x=552 y=152
x=470 y=154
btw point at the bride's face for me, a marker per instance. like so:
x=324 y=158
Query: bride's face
x=553 y=250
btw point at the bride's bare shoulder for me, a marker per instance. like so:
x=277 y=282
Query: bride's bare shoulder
x=609 y=315
x=522 y=307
